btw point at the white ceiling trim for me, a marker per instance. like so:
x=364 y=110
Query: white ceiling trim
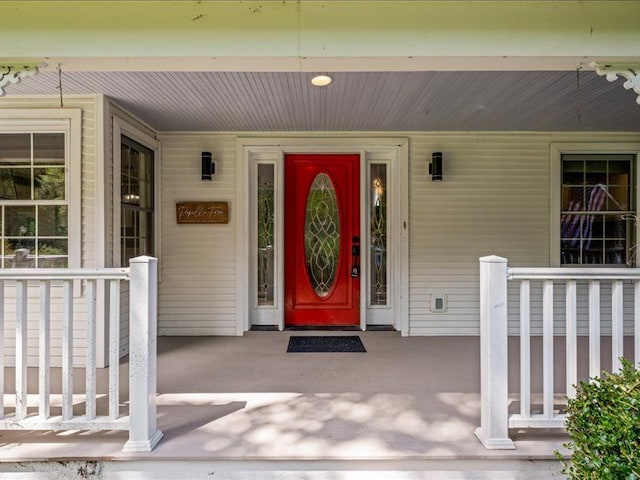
x=321 y=64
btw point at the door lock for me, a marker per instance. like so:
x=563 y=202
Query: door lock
x=355 y=259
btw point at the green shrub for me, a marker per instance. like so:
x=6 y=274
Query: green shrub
x=604 y=428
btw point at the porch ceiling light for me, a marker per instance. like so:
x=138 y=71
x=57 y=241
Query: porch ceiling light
x=628 y=71
x=321 y=80
x=13 y=72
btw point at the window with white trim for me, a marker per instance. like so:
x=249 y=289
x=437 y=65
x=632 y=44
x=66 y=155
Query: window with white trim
x=34 y=196
x=137 y=202
x=598 y=209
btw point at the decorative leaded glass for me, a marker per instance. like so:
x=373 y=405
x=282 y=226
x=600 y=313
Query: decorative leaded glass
x=378 y=239
x=322 y=235
x=265 y=224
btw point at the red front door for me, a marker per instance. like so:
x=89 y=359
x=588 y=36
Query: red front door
x=322 y=240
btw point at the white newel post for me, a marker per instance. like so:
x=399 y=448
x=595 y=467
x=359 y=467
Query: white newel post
x=494 y=392
x=143 y=432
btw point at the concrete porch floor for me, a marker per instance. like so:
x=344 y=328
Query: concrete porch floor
x=245 y=399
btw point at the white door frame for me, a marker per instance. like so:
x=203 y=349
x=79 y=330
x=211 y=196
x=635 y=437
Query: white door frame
x=251 y=150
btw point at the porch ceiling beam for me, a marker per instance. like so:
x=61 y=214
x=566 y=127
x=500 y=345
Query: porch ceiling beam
x=320 y=35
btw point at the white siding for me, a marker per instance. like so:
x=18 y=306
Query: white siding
x=197 y=294
x=494 y=200
x=88 y=106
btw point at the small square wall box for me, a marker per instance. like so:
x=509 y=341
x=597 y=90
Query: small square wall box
x=438 y=303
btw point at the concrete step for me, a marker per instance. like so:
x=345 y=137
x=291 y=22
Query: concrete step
x=462 y=469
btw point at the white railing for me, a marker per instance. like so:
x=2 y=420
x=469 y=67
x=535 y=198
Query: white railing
x=494 y=275
x=141 y=420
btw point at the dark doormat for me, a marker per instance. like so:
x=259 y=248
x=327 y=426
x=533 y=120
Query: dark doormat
x=329 y=344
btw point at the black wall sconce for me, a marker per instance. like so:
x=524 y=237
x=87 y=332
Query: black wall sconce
x=208 y=166
x=435 y=167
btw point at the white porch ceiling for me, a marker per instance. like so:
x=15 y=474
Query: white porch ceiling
x=358 y=101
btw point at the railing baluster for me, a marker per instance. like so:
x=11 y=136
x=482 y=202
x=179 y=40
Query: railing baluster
x=571 y=338
x=594 y=328
x=1 y=348
x=114 y=349
x=636 y=322
x=67 y=350
x=141 y=421
x=45 y=350
x=21 y=349
x=90 y=402
x=525 y=349
x=547 y=348
x=491 y=303
x=617 y=324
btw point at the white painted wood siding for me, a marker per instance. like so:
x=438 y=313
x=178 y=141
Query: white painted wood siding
x=494 y=199
x=197 y=291
x=88 y=106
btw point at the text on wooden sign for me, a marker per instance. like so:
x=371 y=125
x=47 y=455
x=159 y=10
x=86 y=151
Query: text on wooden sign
x=202 y=212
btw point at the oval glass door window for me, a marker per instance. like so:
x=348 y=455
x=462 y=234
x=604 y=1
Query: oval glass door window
x=322 y=235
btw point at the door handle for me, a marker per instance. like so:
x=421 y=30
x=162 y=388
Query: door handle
x=355 y=261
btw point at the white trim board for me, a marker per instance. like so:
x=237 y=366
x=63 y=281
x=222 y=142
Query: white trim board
x=392 y=151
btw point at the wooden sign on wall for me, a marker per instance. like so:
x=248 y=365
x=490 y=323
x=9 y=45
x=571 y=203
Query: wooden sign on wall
x=202 y=212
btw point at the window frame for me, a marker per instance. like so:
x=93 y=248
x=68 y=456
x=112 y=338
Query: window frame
x=602 y=148
x=122 y=128
x=67 y=121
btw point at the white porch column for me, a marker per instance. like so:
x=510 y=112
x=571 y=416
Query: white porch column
x=494 y=392
x=143 y=292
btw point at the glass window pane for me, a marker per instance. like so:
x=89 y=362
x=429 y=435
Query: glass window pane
x=134 y=168
x=592 y=252
x=124 y=169
x=20 y=253
x=265 y=229
x=570 y=252
x=593 y=227
x=52 y=253
x=616 y=226
x=128 y=223
x=15 y=149
x=52 y=220
x=48 y=148
x=573 y=199
x=571 y=225
x=145 y=232
x=596 y=198
x=49 y=183
x=615 y=252
x=595 y=173
x=378 y=234
x=573 y=173
x=15 y=183
x=19 y=221
x=146 y=194
x=128 y=250
x=618 y=198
